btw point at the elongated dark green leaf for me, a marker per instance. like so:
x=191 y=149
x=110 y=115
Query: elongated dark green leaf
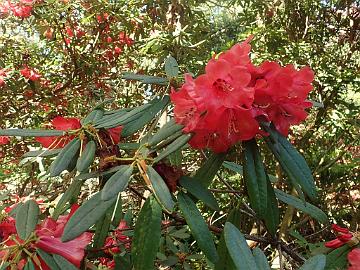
x=317 y=262
x=209 y=169
x=255 y=177
x=145 y=117
x=198 y=227
x=93 y=117
x=199 y=191
x=84 y=176
x=122 y=262
x=144 y=78
x=86 y=216
x=70 y=193
x=174 y=146
x=161 y=191
x=42 y=153
x=272 y=215
x=117 y=183
x=118 y=214
x=48 y=259
x=63 y=263
x=337 y=259
x=292 y=162
x=102 y=229
x=260 y=260
x=29 y=265
x=306 y=207
x=26 y=218
x=147 y=234
x=87 y=157
x=164 y=132
x=238 y=248
x=65 y=157
x=122 y=118
x=129 y=146
x=31 y=132
x=171 y=67
x=225 y=262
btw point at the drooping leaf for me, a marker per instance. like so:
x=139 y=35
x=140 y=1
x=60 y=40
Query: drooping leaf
x=86 y=157
x=255 y=177
x=27 y=217
x=200 y=192
x=164 y=132
x=102 y=229
x=161 y=191
x=317 y=262
x=260 y=259
x=144 y=78
x=232 y=166
x=198 y=227
x=42 y=153
x=117 y=183
x=337 y=259
x=147 y=234
x=306 y=207
x=65 y=157
x=272 y=215
x=92 y=117
x=174 y=146
x=63 y=263
x=171 y=67
x=31 y=132
x=118 y=214
x=86 y=216
x=209 y=169
x=48 y=259
x=29 y=265
x=292 y=162
x=71 y=192
x=238 y=248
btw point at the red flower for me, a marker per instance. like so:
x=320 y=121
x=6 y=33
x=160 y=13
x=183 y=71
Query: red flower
x=354 y=259
x=343 y=236
x=60 y=123
x=3 y=75
x=4 y=140
x=115 y=134
x=50 y=232
x=30 y=74
x=7 y=228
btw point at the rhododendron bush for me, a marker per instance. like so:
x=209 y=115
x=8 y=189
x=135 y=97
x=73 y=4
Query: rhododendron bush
x=139 y=162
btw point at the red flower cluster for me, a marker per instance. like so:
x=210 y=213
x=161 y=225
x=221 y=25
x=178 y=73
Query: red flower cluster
x=343 y=236
x=30 y=74
x=223 y=106
x=22 y=9
x=4 y=140
x=60 y=123
x=48 y=238
x=71 y=123
x=116 y=243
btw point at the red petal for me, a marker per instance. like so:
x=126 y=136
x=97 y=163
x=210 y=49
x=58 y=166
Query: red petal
x=334 y=243
x=62 y=123
x=354 y=259
x=115 y=134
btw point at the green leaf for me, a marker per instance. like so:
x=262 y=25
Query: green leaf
x=161 y=191
x=84 y=176
x=238 y=248
x=4 y=265
x=102 y=229
x=144 y=78
x=171 y=67
x=92 y=117
x=48 y=259
x=147 y=235
x=122 y=262
x=26 y=218
x=292 y=162
x=208 y=170
x=118 y=214
x=174 y=146
x=86 y=216
x=63 y=263
x=272 y=215
x=122 y=117
x=200 y=192
x=64 y=158
x=71 y=192
x=306 y=207
x=42 y=153
x=198 y=227
x=145 y=117
x=337 y=259
x=117 y=183
x=255 y=177
x=31 y=132
x=164 y=132
x=260 y=259
x=317 y=262
x=29 y=265
x=87 y=157
x=129 y=146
